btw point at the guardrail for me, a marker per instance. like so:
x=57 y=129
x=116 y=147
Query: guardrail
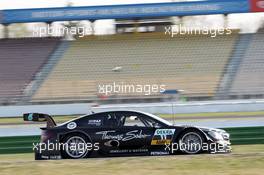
x=24 y=144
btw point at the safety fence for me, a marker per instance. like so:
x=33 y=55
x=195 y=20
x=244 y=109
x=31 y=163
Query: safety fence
x=24 y=144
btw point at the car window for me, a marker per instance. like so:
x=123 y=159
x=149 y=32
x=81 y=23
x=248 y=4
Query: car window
x=152 y=123
x=115 y=120
x=99 y=120
x=111 y=120
x=134 y=119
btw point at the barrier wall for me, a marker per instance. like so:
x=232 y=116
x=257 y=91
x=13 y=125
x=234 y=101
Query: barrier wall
x=158 y=108
x=189 y=107
x=58 y=109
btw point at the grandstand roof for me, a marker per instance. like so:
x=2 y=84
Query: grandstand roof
x=130 y=11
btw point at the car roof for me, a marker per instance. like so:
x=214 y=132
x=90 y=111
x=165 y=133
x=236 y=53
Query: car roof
x=109 y=111
x=93 y=113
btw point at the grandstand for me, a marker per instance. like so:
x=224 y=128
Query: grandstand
x=63 y=71
x=248 y=81
x=194 y=64
x=20 y=60
x=56 y=70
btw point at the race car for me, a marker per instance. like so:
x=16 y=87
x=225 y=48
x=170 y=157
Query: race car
x=123 y=133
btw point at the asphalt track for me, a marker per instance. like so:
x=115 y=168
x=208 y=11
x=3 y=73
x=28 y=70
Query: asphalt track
x=214 y=122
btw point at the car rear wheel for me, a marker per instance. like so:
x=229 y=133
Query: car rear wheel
x=191 y=142
x=75 y=147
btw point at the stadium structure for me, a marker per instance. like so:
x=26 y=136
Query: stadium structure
x=55 y=70
x=210 y=81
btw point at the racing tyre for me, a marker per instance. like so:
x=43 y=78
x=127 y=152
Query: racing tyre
x=75 y=146
x=191 y=142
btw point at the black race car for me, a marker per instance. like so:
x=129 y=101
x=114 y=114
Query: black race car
x=123 y=133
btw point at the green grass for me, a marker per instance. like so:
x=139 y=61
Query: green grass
x=60 y=119
x=245 y=160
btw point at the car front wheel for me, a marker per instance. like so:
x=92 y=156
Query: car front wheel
x=191 y=142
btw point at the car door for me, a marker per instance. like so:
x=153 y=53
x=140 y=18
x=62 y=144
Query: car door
x=135 y=134
x=106 y=134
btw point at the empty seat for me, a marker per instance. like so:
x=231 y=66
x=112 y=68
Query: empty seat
x=20 y=60
x=194 y=64
x=249 y=79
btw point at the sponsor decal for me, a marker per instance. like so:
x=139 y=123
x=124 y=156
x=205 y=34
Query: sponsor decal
x=95 y=122
x=162 y=136
x=260 y=4
x=111 y=135
x=30 y=117
x=129 y=151
x=71 y=125
x=159 y=153
x=112 y=143
x=164 y=132
x=257 y=5
x=161 y=142
x=50 y=157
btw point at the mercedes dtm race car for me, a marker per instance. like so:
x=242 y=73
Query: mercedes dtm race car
x=123 y=133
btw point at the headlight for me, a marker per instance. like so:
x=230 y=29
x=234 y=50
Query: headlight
x=226 y=136
x=216 y=135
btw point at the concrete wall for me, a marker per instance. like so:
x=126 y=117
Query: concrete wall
x=166 y=108
x=190 y=107
x=61 y=109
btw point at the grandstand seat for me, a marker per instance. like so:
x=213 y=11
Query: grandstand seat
x=250 y=76
x=20 y=60
x=194 y=64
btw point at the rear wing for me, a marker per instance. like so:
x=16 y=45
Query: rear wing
x=38 y=117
